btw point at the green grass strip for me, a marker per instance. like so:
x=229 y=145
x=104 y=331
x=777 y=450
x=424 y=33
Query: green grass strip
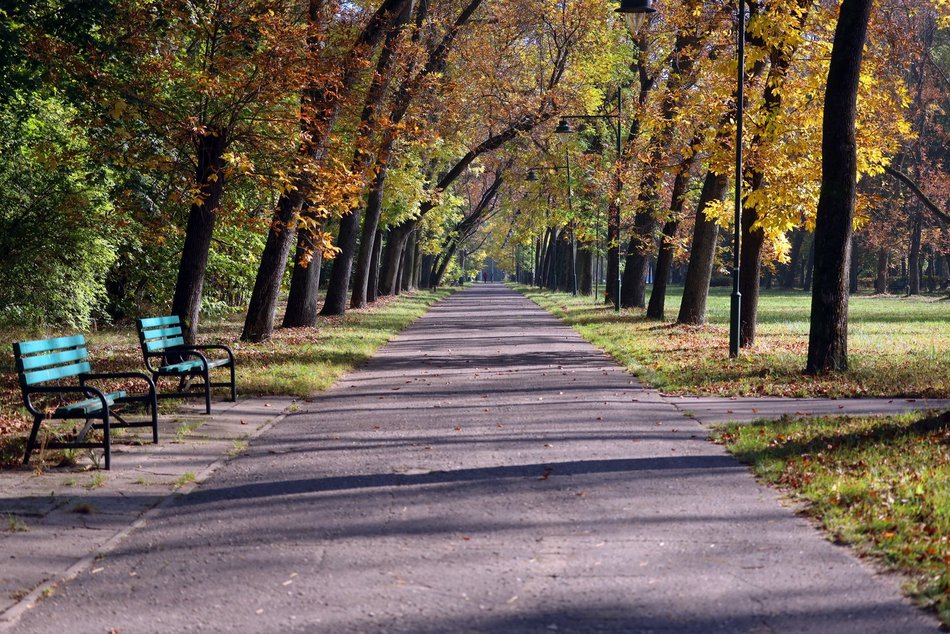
x=898 y=347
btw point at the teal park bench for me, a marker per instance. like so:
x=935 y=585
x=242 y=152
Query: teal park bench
x=166 y=355
x=53 y=373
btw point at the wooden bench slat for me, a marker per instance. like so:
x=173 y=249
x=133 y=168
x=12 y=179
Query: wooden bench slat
x=162 y=333
x=46 y=360
x=47 y=345
x=181 y=368
x=154 y=322
x=160 y=345
x=89 y=406
x=52 y=374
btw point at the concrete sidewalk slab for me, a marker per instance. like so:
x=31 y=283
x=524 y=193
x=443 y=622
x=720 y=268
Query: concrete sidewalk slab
x=487 y=471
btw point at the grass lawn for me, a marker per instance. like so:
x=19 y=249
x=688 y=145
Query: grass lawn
x=879 y=484
x=295 y=362
x=898 y=346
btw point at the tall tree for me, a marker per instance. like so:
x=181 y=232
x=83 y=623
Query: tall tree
x=828 y=335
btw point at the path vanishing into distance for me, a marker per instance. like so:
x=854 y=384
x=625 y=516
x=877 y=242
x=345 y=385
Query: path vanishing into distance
x=486 y=471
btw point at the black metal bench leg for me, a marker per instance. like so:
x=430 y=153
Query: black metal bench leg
x=31 y=443
x=155 y=419
x=233 y=386
x=107 y=439
x=207 y=377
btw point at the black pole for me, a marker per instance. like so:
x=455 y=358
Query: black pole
x=619 y=158
x=570 y=213
x=734 y=312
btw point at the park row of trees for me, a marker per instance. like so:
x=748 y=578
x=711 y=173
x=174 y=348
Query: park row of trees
x=209 y=154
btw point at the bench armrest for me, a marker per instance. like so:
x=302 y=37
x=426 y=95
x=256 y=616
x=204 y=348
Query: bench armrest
x=85 y=390
x=93 y=376
x=177 y=350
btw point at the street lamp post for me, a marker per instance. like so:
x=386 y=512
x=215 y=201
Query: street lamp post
x=735 y=307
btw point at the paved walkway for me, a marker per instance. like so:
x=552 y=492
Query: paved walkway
x=487 y=471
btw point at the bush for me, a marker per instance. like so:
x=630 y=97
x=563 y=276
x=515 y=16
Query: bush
x=56 y=218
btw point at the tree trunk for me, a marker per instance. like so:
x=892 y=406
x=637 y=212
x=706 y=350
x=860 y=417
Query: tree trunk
x=702 y=254
x=397 y=283
x=338 y=286
x=372 y=287
x=664 y=260
x=855 y=268
x=408 y=262
x=750 y=263
x=259 y=322
x=931 y=282
x=913 y=259
x=416 y=264
x=209 y=177
x=828 y=336
x=389 y=283
x=880 y=282
x=368 y=241
x=537 y=261
x=425 y=274
x=547 y=269
x=303 y=298
x=613 y=250
x=585 y=270
x=438 y=273
x=642 y=244
x=656 y=309
x=794 y=258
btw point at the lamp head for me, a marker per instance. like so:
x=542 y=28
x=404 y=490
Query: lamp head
x=563 y=127
x=635 y=13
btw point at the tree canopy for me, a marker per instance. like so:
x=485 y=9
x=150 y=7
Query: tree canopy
x=176 y=151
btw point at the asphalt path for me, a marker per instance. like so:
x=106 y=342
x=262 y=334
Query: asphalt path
x=486 y=471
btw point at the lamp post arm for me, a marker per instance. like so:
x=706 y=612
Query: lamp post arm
x=589 y=116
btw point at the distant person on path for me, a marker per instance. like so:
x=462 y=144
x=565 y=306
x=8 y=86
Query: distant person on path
x=485 y=277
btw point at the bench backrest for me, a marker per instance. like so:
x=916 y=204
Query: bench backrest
x=157 y=334
x=45 y=360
